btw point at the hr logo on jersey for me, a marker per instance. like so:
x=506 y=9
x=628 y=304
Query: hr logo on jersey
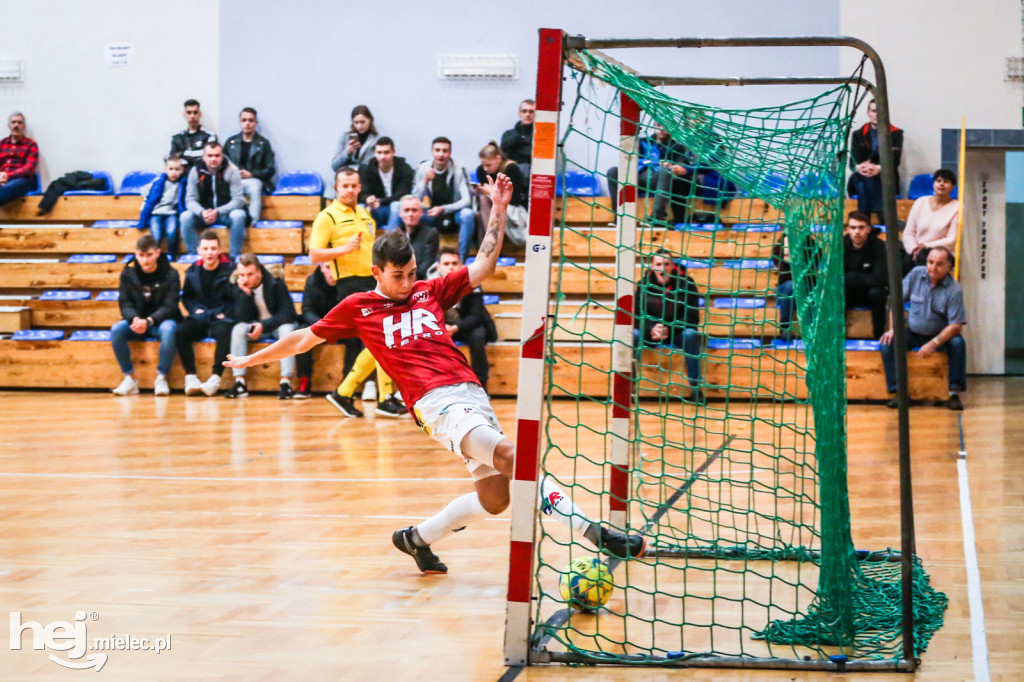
x=420 y=296
x=551 y=502
x=412 y=324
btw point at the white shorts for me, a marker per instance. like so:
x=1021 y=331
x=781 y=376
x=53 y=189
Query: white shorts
x=448 y=413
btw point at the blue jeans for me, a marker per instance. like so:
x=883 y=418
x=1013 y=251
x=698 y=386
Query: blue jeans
x=784 y=302
x=686 y=338
x=15 y=189
x=388 y=216
x=955 y=350
x=192 y=225
x=466 y=220
x=121 y=333
x=166 y=227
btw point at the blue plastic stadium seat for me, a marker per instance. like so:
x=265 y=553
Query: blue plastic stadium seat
x=65 y=295
x=880 y=228
x=302 y=260
x=700 y=302
x=38 y=335
x=91 y=335
x=795 y=344
x=920 y=186
x=817 y=185
x=757 y=227
x=115 y=224
x=188 y=258
x=491 y=299
x=92 y=258
x=749 y=264
x=297 y=296
x=108 y=296
x=136 y=181
x=819 y=228
x=37 y=190
x=503 y=261
x=278 y=225
x=102 y=175
x=473 y=177
x=127 y=257
x=862 y=344
x=698 y=227
x=733 y=344
x=578 y=184
x=270 y=260
x=301 y=183
x=692 y=264
x=739 y=303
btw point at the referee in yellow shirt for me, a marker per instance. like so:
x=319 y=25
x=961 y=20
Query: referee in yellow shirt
x=343 y=234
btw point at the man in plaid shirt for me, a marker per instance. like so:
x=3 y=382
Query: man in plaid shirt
x=19 y=156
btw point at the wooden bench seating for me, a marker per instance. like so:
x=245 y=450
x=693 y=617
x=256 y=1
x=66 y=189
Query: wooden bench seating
x=40 y=239
x=91 y=364
x=112 y=207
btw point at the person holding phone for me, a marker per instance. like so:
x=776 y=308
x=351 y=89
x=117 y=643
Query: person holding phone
x=356 y=146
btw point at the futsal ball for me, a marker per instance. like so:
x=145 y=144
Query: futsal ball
x=586 y=584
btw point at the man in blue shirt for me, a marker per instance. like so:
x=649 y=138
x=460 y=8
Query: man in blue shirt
x=934 y=322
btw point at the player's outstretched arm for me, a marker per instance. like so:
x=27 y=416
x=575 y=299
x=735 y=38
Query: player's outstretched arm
x=298 y=341
x=486 y=261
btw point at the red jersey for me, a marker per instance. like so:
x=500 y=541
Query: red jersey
x=407 y=338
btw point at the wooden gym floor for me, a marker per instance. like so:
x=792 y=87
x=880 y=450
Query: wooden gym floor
x=257 y=534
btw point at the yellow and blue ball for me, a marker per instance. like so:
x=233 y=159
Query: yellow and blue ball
x=586 y=584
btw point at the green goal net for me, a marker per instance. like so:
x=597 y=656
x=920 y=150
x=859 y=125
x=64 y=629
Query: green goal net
x=737 y=424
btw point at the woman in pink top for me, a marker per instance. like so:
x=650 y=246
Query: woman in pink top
x=932 y=221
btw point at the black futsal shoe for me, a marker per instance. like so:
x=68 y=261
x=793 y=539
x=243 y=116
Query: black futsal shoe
x=954 y=403
x=345 y=404
x=426 y=560
x=391 y=407
x=620 y=545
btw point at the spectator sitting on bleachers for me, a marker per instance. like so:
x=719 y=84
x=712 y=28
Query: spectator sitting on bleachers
x=932 y=221
x=865 y=269
x=446 y=184
x=424 y=239
x=148 y=300
x=19 y=156
x=492 y=162
x=934 y=322
x=356 y=146
x=214 y=197
x=254 y=157
x=468 y=321
x=190 y=142
x=262 y=307
x=666 y=309
x=517 y=142
x=164 y=204
x=784 y=287
x=207 y=299
x=385 y=179
x=664 y=169
x=318 y=297
x=866 y=181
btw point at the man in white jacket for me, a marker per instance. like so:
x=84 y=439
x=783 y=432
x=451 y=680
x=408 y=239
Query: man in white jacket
x=447 y=185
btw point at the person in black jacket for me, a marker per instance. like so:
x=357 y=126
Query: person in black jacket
x=865 y=270
x=254 y=156
x=517 y=142
x=385 y=179
x=262 y=307
x=148 y=300
x=666 y=312
x=207 y=298
x=189 y=143
x=424 y=239
x=318 y=297
x=468 y=321
x=866 y=181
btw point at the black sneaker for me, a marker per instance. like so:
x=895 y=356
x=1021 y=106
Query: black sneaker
x=893 y=403
x=621 y=545
x=391 y=407
x=304 y=391
x=345 y=404
x=239 y=390
x=285 y=392
x=954 y=403
x=426 y=560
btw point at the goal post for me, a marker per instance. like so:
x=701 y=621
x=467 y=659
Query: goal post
x=744 y=497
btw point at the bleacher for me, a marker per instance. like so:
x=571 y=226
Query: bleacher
x=59 y=272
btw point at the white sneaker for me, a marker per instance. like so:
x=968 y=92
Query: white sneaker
x=192 y=385
x=160 y=386
x=211 y=385
x=370 y=391
x=128 y=386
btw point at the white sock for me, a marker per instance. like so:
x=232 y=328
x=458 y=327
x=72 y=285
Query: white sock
x=459 y=513
x=554 y=502
x=159 y=375
x=286 y=380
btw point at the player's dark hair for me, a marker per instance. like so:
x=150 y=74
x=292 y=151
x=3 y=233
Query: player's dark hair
x=447 y=251
x=248 y=110
x=191 y=103
x=146 y=243
x=442 y=139
x=945 y=174
x=209 y=236
x=393 y=248
x=384 y=141
x=859 y=217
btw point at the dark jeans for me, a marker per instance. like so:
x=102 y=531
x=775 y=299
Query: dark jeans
x=646 y=183
x=476 y=340
x=955 y=350
x=784 y=302
x=682 y=337
x=346 y=287
x=166 y=226
x=15 y=189
x=869 y=193
x=191 y=330
x=874 y=298
x=121 y=332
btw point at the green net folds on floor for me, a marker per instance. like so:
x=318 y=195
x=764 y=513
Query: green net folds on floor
x=737 y=435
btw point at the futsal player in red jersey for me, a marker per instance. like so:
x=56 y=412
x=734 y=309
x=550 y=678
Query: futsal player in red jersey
x=402 y=324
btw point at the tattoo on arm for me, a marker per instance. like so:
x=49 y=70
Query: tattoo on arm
x=490 y=241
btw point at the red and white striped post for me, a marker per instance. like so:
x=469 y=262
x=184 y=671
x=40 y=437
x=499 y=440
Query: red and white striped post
x=622 y=347
x=537 y=277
